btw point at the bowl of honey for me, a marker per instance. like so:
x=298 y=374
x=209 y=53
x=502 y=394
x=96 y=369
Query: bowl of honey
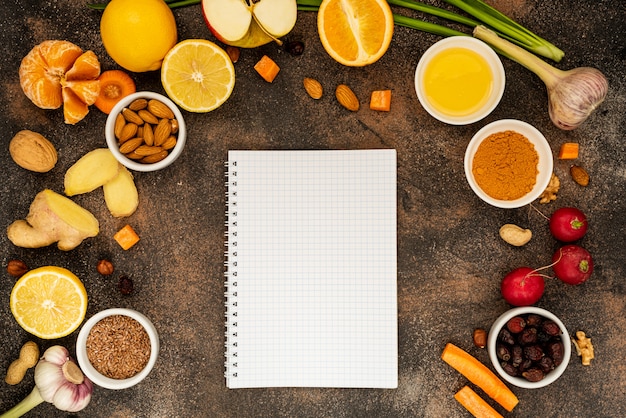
x=459 y=80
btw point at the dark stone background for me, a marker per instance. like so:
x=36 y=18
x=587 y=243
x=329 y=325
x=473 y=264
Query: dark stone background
x=450 y=258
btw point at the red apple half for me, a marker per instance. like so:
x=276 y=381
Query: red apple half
x=248 y=23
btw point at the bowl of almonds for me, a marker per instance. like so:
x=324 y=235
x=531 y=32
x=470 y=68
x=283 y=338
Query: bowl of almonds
x=145 y=131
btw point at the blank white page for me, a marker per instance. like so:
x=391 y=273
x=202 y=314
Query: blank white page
x=311 y=282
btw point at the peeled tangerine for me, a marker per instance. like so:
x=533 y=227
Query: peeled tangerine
x=56 y=73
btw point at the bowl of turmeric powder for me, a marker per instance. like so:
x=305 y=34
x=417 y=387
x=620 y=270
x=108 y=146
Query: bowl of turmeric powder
x=508 y=163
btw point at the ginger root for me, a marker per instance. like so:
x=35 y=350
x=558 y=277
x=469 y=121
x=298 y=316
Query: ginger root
x=53 y=218
x=584 y=348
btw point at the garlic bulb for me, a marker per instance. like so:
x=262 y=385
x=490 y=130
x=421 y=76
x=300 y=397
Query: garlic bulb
x=58 y=380
x=61 y=382
x=575 y=95
x=572 y=95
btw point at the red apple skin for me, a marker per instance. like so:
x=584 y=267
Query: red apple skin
x=568 y=224
x=255 y=37
x=522 y=287
x=572 y=264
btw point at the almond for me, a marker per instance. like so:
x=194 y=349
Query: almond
x=132 y=116
x=313 y=87
x=30 y=150
x=147 y=150
x=169 y=143
x=160 y=110
x=131 y=145
x=148 y=134
x=148 y=116
x=128 y=131
x=149 y=159
x=138 y=104
x=162 y=132
x=579 y=175
x=119 y=125
x=346 y=97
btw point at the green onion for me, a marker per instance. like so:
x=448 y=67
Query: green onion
x=485 y=14
x=508 y=28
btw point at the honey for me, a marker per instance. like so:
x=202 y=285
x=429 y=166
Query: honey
x=457 y=82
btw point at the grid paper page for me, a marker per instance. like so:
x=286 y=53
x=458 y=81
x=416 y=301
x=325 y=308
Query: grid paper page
x=311 y=259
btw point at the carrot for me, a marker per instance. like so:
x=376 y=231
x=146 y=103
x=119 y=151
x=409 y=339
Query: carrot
x=475 y=404
x=477 y=373
x=267 y=68
x=126 y=237
x=381 y=100
x=568 y=151
x=114 y=86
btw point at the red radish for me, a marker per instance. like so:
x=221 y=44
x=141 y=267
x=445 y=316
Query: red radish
x=572 y=264
x=522 y=286
x=568 y=224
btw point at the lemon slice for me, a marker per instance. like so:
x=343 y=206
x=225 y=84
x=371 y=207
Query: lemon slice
x=49 y=302
x=355 y=32
x=198 y=75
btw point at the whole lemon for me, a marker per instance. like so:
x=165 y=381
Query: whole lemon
x=138 y=33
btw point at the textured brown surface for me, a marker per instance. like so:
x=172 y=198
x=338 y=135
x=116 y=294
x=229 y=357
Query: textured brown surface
x=450 y=258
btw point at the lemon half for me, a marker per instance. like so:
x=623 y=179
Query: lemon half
x=49 y=302
x=198 y=75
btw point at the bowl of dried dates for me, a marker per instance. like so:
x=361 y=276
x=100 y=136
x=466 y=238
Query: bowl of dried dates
x=529 y=347
x=145 y=131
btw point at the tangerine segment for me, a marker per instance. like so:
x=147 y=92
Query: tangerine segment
x=86 y=67
x=49 y=302
x=74 y=109
x=198 y=75
x=355 y=32
x=41 y=71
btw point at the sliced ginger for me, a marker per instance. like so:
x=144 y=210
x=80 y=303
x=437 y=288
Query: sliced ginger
x=56 y=73
x=53 y=218
x=100 y=168
x=120 y=194
x=91 y=171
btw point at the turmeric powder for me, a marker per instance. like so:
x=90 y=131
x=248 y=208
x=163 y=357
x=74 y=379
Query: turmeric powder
x=505 y=165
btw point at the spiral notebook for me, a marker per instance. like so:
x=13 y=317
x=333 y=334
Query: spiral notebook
x=311 y=292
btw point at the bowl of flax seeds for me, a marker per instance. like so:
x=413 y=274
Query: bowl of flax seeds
x=117 y=348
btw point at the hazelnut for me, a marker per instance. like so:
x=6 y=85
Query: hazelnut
x=17 y=268
x=105 y=267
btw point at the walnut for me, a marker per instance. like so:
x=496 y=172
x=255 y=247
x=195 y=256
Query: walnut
x=549 y=194
x=584 y=348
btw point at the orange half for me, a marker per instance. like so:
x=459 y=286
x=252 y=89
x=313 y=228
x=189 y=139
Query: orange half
x=355 y=32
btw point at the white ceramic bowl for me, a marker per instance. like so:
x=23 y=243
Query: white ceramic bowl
x=98 y=378
x=544 y=166
x=482 y=49
x=520 y=381
x=112 y=142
